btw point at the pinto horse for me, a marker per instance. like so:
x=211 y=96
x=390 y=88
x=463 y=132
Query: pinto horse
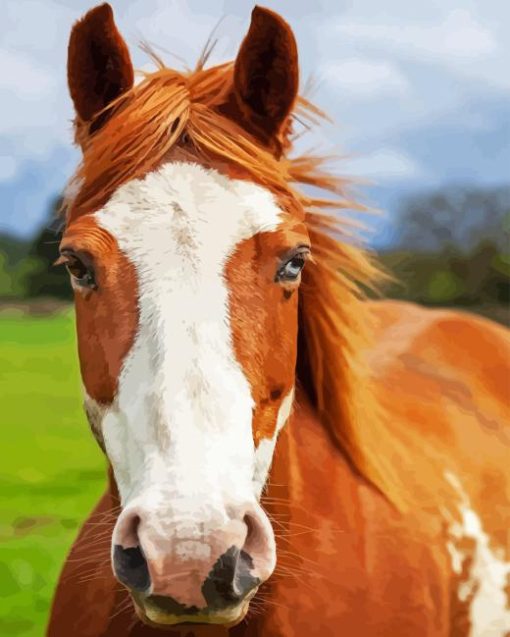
x=286 y=458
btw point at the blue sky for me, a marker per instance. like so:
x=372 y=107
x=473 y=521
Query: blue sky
x=419 y=91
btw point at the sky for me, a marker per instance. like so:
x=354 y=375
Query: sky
x=419 y=92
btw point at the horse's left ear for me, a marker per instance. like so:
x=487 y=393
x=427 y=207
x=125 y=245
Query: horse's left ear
x=266 y=77
x=99 y=67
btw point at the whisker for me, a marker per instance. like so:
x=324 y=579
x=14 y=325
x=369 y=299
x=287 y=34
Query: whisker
x=123 y=607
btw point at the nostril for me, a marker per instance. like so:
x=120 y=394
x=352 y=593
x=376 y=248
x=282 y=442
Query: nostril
x=131 y=568
x=230 y=579
x=256 y=536
x=260 y=542
x=127 y=531
x=250 y=525
x=129 y=563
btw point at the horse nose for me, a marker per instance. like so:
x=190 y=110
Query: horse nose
x=178 y=562
x=230 y=580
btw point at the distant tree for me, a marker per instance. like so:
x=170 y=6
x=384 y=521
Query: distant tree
x=455 y=216
x=6 y=282
x=42 y=277
x=454 y=249
x=12 y=253
x=13 y=248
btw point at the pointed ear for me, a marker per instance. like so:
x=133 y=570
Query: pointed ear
x=99 y=67
x=266 y=76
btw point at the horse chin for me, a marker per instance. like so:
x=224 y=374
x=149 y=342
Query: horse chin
x=156 y=617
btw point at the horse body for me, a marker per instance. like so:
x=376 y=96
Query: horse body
x=348 y=564
x=257 y=413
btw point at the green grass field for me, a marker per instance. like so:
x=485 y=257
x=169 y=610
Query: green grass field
x=51 y=471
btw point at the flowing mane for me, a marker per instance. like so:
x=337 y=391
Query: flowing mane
x=169 y=112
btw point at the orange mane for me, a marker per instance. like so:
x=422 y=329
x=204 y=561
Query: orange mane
x=168 y=110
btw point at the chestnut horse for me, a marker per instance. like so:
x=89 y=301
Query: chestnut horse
x=285 y=457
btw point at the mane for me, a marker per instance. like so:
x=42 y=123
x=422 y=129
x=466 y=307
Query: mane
x=168 y=111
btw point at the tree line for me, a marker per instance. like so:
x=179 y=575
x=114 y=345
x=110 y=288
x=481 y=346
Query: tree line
x=452 y=248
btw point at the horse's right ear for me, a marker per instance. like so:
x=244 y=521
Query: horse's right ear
x=99 y=67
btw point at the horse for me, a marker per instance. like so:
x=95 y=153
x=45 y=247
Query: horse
x=288 y=455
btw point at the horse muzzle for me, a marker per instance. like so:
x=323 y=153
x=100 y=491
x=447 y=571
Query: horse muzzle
x=184 y=573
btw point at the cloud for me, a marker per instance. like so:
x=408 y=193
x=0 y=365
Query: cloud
x=179 y=31
x=8 y=167
x=36 y=27
x=362 y=78
x=24 y=76
x=454 y=36
x=383 y=165
x=457 y=37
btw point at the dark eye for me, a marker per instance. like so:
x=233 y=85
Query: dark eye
x=291 y=269
x=81 y=273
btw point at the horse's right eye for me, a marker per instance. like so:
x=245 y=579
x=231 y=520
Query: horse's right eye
x=81 y=273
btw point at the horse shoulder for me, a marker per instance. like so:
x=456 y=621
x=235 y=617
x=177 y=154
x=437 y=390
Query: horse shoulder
x=468 y=348
x=444 y=378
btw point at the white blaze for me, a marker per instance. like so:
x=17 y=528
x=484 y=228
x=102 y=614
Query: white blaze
x=180 y=425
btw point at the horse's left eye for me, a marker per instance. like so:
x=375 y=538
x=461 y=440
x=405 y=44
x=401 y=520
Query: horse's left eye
x=291 y=269
x=81 y=273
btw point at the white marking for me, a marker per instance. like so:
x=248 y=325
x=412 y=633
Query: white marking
x=183 y=412
x=179 y=431
x=489 y=572
x=265 y=450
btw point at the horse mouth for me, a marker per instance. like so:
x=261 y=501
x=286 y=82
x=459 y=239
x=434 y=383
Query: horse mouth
x=157 y=612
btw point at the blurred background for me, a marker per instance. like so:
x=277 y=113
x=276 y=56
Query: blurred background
x=419 y=94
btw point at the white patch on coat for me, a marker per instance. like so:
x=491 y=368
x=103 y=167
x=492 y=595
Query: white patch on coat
x=178 y=433
x=265 y=450
x=488 y=575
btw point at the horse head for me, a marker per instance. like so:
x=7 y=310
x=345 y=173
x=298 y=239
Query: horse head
x=185 y=248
